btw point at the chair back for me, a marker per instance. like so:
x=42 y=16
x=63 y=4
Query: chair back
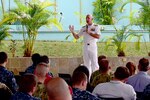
x=104 y=98
x=5 y=93
x=66 y=77
x=139 y=95
x=22 y=73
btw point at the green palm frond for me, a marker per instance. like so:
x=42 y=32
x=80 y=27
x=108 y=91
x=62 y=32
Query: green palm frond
x=142 y=20
x=46 y=4
x=4 y=33
x=20 y=6
x=128 y=1
x=56 y=23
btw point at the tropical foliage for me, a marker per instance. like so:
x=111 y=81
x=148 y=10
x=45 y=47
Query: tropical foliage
x=3 y=29
x=120 y=38
x=143 y=16
x=32 y=16
x=142 y=20
x=4 y=33
x=103 y=11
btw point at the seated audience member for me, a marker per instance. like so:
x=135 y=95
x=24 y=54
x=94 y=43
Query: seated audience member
x=84 y=69
x=6 y=76
x=97 y=72
x=79 y=83
x=46 y=60
x=27 y=87
x=140 y=80
x=35 y=59
x=41 y=72
x=131 y=66
x=110 y=89
x=57 y=89
x=5 y=92
x=103 y=75
x=146 y=93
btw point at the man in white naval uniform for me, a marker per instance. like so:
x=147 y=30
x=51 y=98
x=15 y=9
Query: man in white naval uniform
x=91 y=34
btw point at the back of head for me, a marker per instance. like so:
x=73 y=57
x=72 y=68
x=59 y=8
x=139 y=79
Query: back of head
x=27 y=83
x=143 y=64
x=78 y=77
x=82 y=68
x=57 y=89
x=44 y=59
x=131 y=66
x=3 y=57
x=35 y=58
x=121 y=73
x=101 y=57
x=104 y=65
x=41 y=69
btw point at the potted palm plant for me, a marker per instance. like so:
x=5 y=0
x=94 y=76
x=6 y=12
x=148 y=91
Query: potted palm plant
x=32 y=16
x=120 y=38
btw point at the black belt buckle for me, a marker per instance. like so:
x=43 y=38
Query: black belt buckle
x=88 y=43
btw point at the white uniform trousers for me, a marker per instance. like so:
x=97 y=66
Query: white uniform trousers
x=90 y=57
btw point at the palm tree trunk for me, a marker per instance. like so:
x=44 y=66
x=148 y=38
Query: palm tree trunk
x=101 y=8
x=9 y=5
x=80 y=11
x=147 y=1
x=3 y=9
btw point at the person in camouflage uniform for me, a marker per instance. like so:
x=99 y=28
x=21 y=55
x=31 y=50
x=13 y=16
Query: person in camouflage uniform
x=41 y=72
x=103 y=76
x=97 y=72
x=41 y=92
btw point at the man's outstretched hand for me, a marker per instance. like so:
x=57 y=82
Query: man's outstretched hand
x=71 y=28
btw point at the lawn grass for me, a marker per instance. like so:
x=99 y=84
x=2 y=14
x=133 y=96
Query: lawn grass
x=70 y=49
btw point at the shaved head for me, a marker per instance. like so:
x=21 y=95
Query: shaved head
x=89 y=15
x=57 y=89
x=89 y=19
x=42 y=69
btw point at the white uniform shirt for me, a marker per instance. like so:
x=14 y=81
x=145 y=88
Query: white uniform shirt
x=115 y=89
x=90 y=47
x=86 y=37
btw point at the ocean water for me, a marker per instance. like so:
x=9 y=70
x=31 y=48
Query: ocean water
x=61 y=36
x=45 y=34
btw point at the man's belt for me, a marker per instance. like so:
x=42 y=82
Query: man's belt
x=88 y=43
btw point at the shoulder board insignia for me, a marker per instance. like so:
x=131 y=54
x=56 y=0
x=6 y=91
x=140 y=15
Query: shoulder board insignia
x=95 y=25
